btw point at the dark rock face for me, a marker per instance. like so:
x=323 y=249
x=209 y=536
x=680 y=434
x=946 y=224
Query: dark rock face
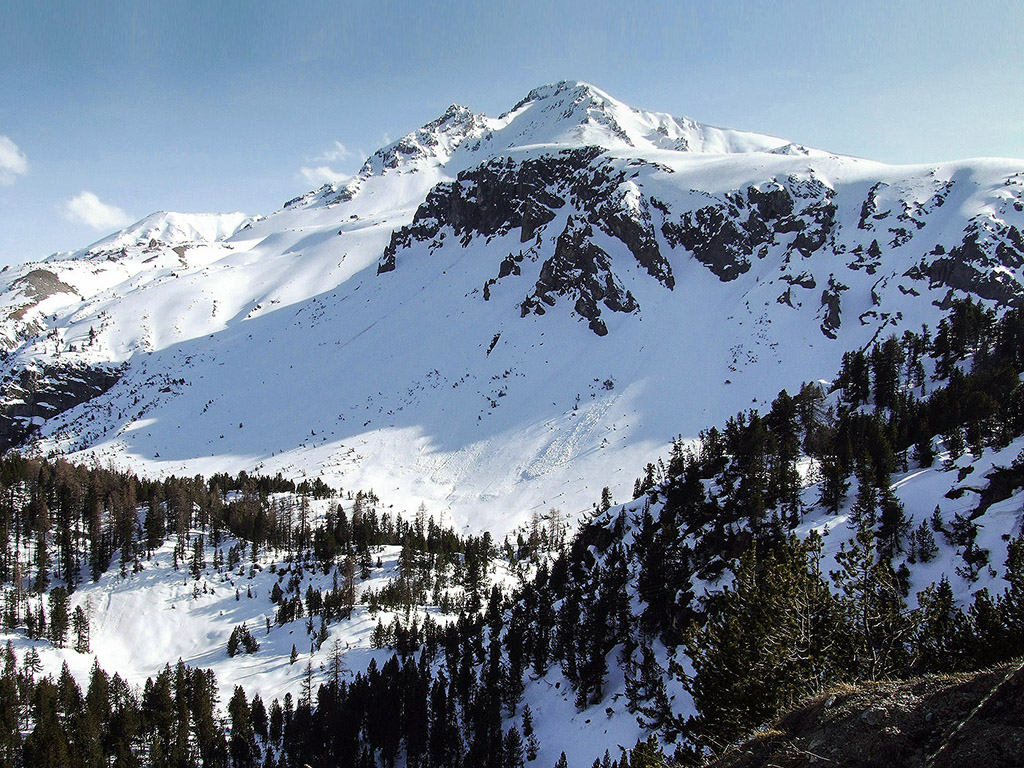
x=580 y=269
x=831 y=301
x=974 y=265
x=503 y=194
x=718 y=241
x=489 y=200
x=727 y=235
x=869 y=210
x=35 y=395
x=775 y=203
x=634 y=228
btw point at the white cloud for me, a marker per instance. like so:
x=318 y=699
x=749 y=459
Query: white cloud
x=338 y=152
x=320 y=172
x=323 y=174
x=86 y=208
x=12 y=161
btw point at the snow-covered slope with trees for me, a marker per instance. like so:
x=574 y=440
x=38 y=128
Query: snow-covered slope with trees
x=866 y=530
x=496 y=316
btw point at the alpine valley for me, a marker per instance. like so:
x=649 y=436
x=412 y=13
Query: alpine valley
x=287 y=448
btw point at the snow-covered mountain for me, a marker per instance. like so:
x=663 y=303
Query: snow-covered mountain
x=496 y=315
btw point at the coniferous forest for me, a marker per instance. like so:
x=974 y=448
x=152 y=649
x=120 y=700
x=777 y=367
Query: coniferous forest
x=704 y=585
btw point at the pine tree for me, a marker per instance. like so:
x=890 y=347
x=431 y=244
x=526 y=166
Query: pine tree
x=922 y=544
x=512 y=749
x=768 y=639
x=1011 y=603
x=646 y=754
x=886 y=362
x=10 y=738
x=532 y=746
x=942 y=634
x=784 y=480
x=198 y=561
x=59 y=619
x=864 y=512
x=80 y=628
x=834 y=483
x=260 y=722
x=874 y=617
x=336 y=663
x=47 y=744
x=306 y=695
x=348 y=594
x=892 y=525
x=244 y=751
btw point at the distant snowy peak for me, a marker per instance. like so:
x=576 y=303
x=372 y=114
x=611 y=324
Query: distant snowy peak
x=169 y=229
x=434 y=141
x=430 y=145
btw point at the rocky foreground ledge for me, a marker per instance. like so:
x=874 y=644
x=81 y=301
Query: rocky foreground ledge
x=941 y=721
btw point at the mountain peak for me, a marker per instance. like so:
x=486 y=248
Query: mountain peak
x=437 y=139
x=574 y=88
x=577 y=112
x=564 y=114
x=172 y=228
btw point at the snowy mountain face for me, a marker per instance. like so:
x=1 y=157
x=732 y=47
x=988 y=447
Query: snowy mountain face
x=496 y=315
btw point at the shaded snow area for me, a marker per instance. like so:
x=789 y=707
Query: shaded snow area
x=499 y=315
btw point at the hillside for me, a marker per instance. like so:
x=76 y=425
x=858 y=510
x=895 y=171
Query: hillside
x=496 y=316
x=867 y=532
x=582 y=435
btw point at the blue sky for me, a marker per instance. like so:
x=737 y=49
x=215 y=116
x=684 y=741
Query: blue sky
x=112 y=110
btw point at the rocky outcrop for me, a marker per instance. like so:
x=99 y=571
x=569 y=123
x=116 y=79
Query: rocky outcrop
x=40 y=284
x=35 y=286
x=831 y=302
x=940 y=722
x=627 y=217
x=580 y=269
x=982 y=264
x=719 y=241
x=503 y=195
x=34 y=395
x=19 y=321
x=492 y=199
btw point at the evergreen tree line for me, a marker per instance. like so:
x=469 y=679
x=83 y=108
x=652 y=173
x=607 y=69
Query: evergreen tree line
x=173 y=720
x=61 y=523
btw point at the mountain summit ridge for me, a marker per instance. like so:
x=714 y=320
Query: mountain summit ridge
x=565 y=114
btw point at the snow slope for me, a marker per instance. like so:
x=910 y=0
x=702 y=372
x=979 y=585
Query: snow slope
x=501 y=315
